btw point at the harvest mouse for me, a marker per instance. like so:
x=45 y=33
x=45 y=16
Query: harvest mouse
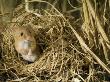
x=25 y=43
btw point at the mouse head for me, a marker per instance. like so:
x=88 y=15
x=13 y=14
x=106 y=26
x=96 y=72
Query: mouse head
x=23 y=33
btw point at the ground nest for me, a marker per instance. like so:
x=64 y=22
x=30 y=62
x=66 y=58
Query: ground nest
x=62 y=56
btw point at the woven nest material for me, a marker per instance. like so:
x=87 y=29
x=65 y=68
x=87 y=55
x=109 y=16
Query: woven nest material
x=62 y=57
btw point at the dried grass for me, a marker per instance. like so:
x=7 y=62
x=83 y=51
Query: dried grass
x=70 y=49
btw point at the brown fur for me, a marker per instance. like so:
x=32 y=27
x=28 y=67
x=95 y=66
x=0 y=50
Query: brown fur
x=22 y=33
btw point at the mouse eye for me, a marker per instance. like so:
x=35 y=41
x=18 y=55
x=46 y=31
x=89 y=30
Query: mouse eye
x=21 y=34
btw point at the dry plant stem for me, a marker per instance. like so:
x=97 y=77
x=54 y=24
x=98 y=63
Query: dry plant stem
x=86 y=25
x=64 y=4
x=87 y=28
x=109 y=3
x=28 y=10
x=105 y=5
x=100 y=29
x=85 y=47
x=55 y=2
x=19 y=79
x=104 y=50
x=91 y=73
x=71 y=4
x=73 y=73
x=99 y=26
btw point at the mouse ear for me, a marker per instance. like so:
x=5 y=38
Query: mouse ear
x=14 y=29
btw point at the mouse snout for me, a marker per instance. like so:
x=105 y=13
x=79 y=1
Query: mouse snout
x=28 y=38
